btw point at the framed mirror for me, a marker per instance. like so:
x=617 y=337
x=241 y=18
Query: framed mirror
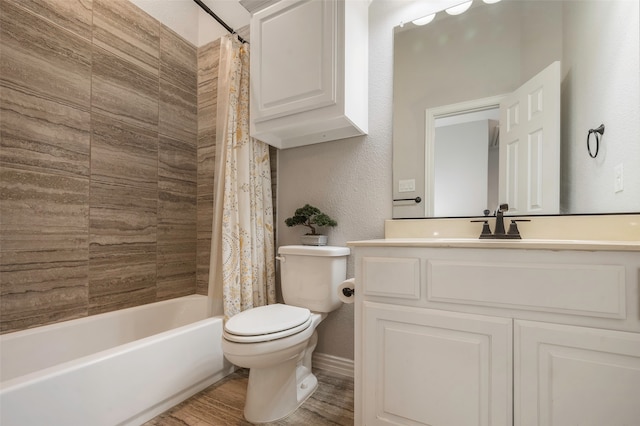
x=492 y=50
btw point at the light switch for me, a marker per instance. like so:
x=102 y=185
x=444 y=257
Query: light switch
x=406 y=185
x=618 y=178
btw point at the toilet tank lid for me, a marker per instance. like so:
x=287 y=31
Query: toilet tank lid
x=315 y=250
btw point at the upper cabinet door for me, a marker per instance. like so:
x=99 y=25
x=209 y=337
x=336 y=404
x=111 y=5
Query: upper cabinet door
x=294 y=54
x=308 y=79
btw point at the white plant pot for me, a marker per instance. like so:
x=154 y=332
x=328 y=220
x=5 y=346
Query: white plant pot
x=314 y=240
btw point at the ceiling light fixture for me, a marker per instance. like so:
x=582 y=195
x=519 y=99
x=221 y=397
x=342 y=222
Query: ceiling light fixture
x=461 y=8
x=424 y=20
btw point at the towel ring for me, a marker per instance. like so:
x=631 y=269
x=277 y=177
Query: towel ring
x=599 y=131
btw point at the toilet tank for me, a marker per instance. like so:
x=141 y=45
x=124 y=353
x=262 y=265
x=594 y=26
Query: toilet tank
x=310 y=276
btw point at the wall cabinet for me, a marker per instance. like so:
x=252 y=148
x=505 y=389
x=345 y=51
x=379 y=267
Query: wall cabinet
x=453 y=336
x=309 y=71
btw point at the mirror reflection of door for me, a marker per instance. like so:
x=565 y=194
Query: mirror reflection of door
x=530 y=145
x=471 y=174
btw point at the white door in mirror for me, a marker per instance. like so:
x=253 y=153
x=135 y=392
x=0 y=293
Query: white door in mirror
x=530 y=145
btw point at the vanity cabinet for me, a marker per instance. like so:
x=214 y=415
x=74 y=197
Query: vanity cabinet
x=308 y=73
x=435 y=367
x=567 y=375
x=462 y=336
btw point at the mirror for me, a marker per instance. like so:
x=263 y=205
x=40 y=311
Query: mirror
x=493 y=49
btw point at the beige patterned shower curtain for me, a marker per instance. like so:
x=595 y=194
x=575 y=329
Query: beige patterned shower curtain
x=242 y=268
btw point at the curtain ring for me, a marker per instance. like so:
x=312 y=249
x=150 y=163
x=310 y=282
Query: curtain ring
x=599 y=131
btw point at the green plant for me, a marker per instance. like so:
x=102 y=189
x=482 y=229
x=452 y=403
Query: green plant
x=309 y=216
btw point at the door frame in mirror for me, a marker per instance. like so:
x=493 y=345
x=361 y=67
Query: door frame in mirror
x=431 y=114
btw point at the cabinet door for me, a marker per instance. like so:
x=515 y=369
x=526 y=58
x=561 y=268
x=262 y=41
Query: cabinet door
x=294 y=64
x=435 y=368
x=567 y=375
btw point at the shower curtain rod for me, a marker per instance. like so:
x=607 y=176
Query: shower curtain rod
x=220 y=21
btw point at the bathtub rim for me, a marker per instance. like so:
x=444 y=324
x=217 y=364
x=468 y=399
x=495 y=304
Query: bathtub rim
x=94 y=358
x=96 y=317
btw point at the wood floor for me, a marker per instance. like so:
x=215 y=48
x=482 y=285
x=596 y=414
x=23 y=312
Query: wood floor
x=221 y=404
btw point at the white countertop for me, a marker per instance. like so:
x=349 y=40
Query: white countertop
x=579 y=232
x=525 y=244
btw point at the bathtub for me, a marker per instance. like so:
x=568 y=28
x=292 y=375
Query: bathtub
x=117 y=368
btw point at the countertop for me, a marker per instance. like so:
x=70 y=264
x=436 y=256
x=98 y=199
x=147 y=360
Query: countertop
x=524 y=244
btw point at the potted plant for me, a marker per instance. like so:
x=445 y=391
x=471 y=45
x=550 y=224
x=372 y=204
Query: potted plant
x=311 y=217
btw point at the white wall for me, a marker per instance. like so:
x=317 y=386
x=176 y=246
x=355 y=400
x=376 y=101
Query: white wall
x=349 y=180
x=186 y=18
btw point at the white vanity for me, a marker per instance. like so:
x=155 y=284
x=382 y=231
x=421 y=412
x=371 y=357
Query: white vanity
x=460 y=331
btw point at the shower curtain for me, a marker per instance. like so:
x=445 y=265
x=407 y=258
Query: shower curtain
x=242 y=252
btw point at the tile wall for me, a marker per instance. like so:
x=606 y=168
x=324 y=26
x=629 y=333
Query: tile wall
x=101 y=161
x=208 y=58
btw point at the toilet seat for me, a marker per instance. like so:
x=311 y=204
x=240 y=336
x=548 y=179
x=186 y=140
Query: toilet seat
x=266 y=323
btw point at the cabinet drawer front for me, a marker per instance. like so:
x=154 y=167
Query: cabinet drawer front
x=573 y=289
x=391 y=277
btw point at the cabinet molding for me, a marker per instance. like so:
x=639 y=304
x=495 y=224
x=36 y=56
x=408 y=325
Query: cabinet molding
x=392 y=277
x=532 y=286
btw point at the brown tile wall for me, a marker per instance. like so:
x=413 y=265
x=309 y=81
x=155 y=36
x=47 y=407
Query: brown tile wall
x=107 y=151
x=99 y=156
x=208 y=61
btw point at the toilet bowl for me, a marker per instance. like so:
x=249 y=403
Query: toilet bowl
x=280 y=376
x=276 y=342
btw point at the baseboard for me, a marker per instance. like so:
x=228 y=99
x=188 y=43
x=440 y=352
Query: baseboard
x=333 y=364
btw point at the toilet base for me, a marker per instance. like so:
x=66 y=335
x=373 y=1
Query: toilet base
x=264 y=405
x=294 y=381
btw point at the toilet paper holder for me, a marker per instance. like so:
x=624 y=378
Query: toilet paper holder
x=348 y=292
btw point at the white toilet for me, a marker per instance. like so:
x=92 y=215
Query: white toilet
x=276 y=342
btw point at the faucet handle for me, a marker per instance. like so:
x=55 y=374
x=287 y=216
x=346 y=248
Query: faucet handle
x=486 y=230
x=513 y=231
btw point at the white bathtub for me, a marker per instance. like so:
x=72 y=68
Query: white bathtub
x=122 y=367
